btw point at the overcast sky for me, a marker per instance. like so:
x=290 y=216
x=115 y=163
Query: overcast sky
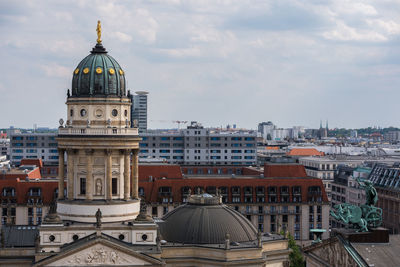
x=217 y=62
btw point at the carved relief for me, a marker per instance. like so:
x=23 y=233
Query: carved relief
x=98 y=256
x=334 y=254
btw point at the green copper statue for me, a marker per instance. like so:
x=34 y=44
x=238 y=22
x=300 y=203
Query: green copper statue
x=362 y=217
x=370 y=192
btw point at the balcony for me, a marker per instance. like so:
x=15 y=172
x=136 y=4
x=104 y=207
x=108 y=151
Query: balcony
x=34 y=201
x=98 y=131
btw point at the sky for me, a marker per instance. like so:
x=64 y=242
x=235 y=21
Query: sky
x=217 y=62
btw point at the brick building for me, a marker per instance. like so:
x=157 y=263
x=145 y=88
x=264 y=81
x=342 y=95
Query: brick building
x=273 y=198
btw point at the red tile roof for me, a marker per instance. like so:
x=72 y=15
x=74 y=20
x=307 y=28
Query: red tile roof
x=36 y=162
x=22 y=189
x=284 y=170
x=305 y=152
x=159 y=171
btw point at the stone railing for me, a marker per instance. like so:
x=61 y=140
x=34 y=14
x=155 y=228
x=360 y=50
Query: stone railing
x=98 y=131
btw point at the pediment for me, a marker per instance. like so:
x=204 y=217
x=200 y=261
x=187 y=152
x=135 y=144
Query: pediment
x=100 y=253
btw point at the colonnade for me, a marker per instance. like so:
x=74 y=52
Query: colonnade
x=131 y=182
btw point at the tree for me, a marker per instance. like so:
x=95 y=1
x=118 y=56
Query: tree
x=295 y=257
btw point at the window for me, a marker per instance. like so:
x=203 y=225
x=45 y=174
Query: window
x=114 y=186
x=284 y=218
x=9 y=192
x=83 y=186
x=154 y=211
x=297 y=235
x=235 y=199
x=35 y=192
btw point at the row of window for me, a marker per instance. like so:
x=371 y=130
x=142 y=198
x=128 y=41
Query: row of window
x=33 y=151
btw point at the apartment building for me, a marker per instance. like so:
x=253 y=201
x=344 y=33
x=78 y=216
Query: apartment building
x=4 y=147
x=201 y=146
x=386 y=180
x=282 y=200
x=33 y=146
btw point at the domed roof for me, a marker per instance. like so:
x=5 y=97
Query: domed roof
x=204 y=220
x=98 y=75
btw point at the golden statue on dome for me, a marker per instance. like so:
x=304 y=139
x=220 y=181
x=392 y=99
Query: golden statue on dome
x=98 y=30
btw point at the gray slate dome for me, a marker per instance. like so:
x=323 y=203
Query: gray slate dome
x=98 y=75
x=204 y=220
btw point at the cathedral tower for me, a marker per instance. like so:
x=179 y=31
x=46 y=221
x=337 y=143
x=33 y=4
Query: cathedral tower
x=99 y=144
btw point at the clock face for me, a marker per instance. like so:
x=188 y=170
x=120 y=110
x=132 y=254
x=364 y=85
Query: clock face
x=83 y=112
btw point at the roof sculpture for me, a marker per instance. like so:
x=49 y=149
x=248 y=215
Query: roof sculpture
x=98 y=74
x=362 y=217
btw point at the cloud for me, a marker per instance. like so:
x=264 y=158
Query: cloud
x=181 y=53
x=56 y=70
x=342 y=32
x=123 y=37
x=388 y=27
x=237 y=61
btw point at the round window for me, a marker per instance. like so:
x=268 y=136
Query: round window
x=114 y=112
x=83 y=112
x=144 y=237
x=121 y=237
x=75 y=237
x=52 y=238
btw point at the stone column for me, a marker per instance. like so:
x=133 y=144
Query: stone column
x=61 y=173
x=109 y=175
x=89 y=175
x=135 y=174
x=127 y=182
x=70 y=173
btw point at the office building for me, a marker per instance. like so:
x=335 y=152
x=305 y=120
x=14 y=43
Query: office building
x=197 y=145
x=33 y=146
x=139 y=110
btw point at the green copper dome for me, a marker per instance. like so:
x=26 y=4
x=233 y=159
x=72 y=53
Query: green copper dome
x=98 y=75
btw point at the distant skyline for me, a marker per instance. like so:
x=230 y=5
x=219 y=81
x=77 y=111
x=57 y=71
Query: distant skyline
x=217 y=62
